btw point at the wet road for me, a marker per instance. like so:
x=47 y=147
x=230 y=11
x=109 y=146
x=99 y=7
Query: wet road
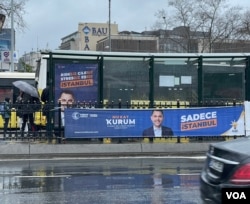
x=141 y=180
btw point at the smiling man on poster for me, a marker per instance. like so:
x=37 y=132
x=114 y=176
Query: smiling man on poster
x=157 y=129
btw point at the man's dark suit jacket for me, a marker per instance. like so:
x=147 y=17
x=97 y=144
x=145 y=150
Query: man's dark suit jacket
x=166 y=131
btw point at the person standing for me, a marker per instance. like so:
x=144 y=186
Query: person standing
x=26 y=106
x=45 y=95
x=6 y=115
x=46 y=107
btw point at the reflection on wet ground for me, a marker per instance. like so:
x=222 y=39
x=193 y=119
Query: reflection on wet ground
x=100 y=181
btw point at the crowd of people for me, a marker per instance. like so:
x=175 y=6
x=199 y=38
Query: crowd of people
x=26 y=105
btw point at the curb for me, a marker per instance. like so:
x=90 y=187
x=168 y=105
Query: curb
x=33 y=150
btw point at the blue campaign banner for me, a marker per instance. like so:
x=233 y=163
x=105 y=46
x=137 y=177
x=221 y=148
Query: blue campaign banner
x=93 y=123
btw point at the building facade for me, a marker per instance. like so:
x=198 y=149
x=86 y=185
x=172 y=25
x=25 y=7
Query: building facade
x=96 y=37
x=129 y=42
x=28 y=62
x=87 y=36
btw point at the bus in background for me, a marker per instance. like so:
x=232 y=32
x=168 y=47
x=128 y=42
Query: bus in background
x=41 y=73
x=7 y=89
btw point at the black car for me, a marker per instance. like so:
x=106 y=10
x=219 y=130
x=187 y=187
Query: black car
x=227 y=168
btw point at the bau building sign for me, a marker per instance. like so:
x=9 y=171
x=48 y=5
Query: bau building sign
x=90 y=33
x=95 y=31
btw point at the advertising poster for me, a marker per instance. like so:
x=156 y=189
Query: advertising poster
x=78 y=79
x=97 y=123
x=75 y=82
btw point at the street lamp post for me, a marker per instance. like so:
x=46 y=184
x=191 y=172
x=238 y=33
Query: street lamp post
x=12 y=36
x=2 y=19
x=109 y=25
x=165 y=36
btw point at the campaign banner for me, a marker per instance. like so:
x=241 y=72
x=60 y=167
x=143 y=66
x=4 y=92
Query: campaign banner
x=98 y=123
x=80 y=80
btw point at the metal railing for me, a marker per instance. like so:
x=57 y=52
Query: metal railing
x=47 y=127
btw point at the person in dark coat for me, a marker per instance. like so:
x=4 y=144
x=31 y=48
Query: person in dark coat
x=26 y=108
x=45 y=95
x=46 y=108
x=157 y=129
x=45 y=100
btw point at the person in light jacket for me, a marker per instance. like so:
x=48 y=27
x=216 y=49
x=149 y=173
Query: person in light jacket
x=6 y=115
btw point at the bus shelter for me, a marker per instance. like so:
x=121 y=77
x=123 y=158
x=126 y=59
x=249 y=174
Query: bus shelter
x=150 y=79
x=108 y=80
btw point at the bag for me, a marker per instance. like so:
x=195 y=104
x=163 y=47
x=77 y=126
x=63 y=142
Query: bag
x=4 y=109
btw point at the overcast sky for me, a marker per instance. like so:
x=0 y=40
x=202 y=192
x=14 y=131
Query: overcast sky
x=50 y=20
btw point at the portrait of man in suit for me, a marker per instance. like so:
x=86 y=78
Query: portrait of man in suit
x=157 y=129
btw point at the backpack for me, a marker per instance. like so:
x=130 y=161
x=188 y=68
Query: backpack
x=4 y=109
x=1 y=109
